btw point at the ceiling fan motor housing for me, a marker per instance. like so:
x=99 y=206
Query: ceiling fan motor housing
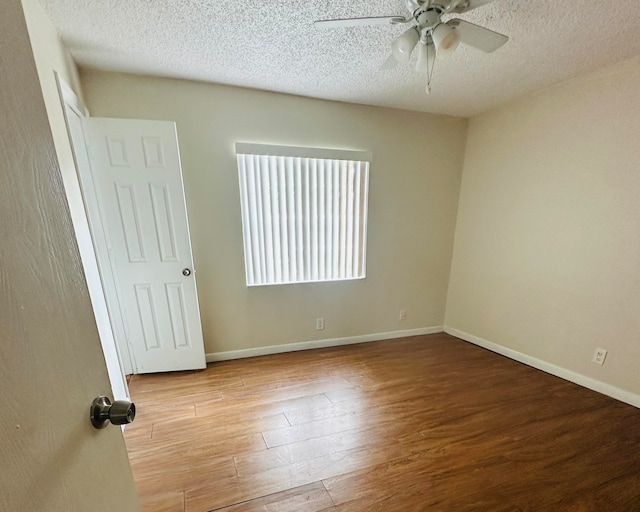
x=427 y=19
x=448 y=6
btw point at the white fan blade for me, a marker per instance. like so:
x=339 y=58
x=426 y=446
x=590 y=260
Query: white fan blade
x=390 y=63
x=359 y=22
x=479 y=37
x=466 y=5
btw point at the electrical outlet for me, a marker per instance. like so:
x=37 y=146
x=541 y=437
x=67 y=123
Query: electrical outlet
x=319 y=324
x=403 y=314
x=599 y=356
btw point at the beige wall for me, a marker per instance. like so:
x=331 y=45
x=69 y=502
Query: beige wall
x=547 y=246
x=414 y=184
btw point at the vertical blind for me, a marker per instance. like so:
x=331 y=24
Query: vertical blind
x=304 y=213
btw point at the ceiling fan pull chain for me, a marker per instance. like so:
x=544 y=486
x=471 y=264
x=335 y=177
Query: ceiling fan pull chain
x=429 y=72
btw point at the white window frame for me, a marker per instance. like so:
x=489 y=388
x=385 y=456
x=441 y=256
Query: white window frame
x=304 y=213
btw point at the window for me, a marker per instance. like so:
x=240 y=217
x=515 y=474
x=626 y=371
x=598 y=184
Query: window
x=304 y=213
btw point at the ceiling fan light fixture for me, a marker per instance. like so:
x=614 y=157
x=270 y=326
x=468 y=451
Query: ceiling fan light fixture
x=402 y=46
x=446 y=39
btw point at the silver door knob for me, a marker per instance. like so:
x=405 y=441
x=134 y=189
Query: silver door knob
x=119 y=412
x=186 y=272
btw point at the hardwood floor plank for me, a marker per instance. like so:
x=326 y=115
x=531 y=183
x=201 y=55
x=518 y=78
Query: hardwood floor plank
x=187 y=447
x=313 y=429
x=324 y=411
x=340 y=395
x=179 y=473
x=411 y=484
x=160 y=501
x=298 y=452
x=257 y=408
x=310 y=387
x=147 y=415
x=307 y=498
x=241 y=488
x=173 y=383
x=210 y=428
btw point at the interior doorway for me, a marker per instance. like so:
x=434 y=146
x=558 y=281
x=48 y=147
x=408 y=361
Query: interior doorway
x=137 y=216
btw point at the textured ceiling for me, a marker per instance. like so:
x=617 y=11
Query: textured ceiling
x=273 y=45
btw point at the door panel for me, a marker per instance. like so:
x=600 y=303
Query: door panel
x=136 y=169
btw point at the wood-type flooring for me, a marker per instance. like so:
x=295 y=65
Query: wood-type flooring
x=428 y=423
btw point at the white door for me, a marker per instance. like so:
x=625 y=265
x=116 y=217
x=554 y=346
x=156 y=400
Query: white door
x=51 y=362
x=138 y=180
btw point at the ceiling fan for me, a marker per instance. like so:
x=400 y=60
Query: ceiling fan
x=428 y=33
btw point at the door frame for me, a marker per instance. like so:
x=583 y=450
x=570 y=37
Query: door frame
x=106 y=267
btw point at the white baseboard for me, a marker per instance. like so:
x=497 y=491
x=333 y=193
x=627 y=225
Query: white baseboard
x=558 y=371
x=308 y=345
